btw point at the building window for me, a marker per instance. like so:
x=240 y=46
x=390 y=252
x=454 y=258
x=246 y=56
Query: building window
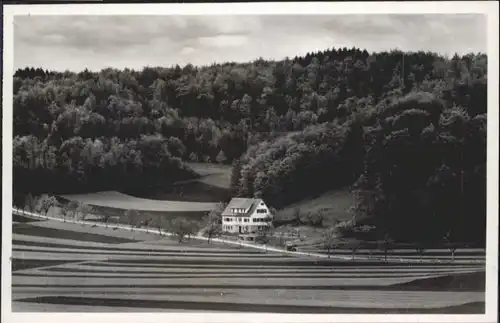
x=245 y=220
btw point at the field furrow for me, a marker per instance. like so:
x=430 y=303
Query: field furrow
x=58 y=266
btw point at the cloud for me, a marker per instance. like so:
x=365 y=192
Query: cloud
x=95 y=42
x=223 y=41
x=188 y=50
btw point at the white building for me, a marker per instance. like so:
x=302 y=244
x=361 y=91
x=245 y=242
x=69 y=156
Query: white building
x=246 y=215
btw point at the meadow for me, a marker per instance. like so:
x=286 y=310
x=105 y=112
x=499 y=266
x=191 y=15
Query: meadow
x=191 y=199
x=57 y=264
x=335 y=205
x=112 y=199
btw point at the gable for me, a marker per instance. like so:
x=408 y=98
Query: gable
x=261 y=208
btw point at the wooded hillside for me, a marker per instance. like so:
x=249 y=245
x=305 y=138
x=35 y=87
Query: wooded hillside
x=407 y=130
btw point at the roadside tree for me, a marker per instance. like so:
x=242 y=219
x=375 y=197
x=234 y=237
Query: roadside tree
x=385 y=245
x=353 y=245
x=213 y=226
x=45 y=203
x=30 y=203
x=83 y=210
x=182 y=227
x=105 y=218
x=69 y=209
x=450 y=244
x=132 y=218
x=64 y=212
x=330 y=240
x=72 y=209
x=213 y=223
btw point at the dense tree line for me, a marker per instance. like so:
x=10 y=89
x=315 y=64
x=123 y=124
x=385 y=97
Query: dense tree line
x=409 y=129
x=95 y=164
x=424 y=172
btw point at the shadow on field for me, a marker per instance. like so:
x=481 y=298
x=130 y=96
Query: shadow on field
x=20 y=264
x=24 y=219
x=469 y=308
x=167 y=250
x=39 y=231
x=455 y=282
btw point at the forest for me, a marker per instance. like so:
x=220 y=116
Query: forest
x=405 y=131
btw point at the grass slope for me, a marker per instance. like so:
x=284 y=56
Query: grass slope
x=123 y=201
x=213 y=174
x=334 y=205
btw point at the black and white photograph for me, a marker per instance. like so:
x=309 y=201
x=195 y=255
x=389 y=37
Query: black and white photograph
x=230 y=159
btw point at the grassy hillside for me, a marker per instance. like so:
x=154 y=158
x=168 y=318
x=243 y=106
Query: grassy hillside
x=125 y=202
x=334 y=205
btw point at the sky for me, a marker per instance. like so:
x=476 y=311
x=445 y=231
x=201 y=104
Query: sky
x=98 y=41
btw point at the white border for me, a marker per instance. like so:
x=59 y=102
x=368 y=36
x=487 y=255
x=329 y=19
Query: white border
x=489 y=8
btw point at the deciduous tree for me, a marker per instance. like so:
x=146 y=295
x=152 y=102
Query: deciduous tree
x=132 y=217
x=330 y=240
